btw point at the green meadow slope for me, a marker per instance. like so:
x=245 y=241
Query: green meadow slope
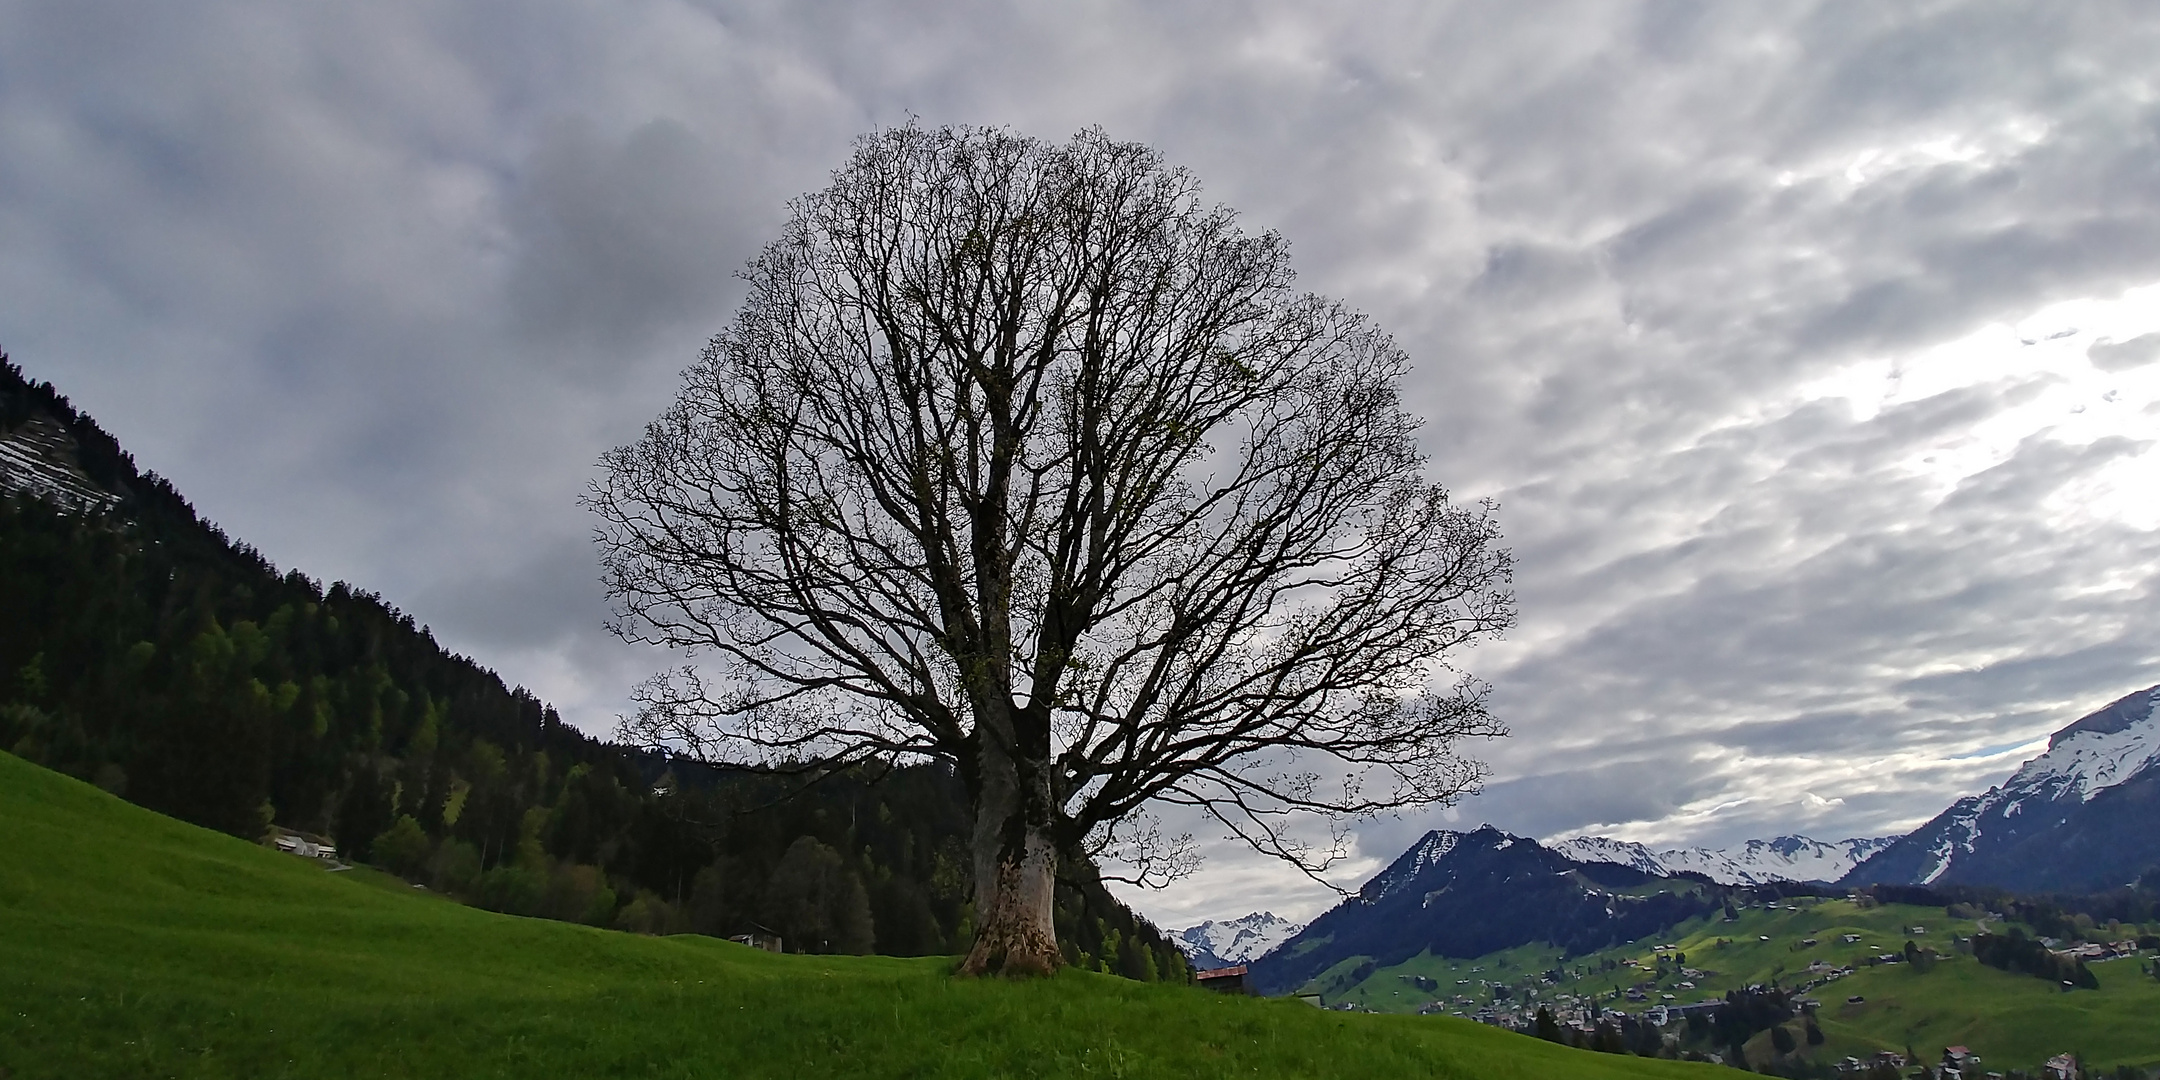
x=1765 y=944
x=135 y=945
x=2011 y=1020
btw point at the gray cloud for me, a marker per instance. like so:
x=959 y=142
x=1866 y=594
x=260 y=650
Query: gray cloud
x=2124 y=355
x=377 y=285
x=1618 y=789
x=616 y=241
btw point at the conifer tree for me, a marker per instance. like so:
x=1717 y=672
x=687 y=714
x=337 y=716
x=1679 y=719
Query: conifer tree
x=1546 y=1027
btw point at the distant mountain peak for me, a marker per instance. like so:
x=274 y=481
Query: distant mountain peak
x=2122 y=714
x=1229 y=942
x=1462 y=894
x=2098 y=751
x=2078 y=816
x=1430 y=849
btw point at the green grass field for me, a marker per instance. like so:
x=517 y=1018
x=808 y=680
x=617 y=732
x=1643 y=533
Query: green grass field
x=132 y=945
x=2011 y=1020
x=1765 y=944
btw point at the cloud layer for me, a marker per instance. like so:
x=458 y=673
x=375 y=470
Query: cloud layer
x=1809 y=349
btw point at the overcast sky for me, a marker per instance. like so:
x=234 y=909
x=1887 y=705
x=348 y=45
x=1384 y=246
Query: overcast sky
x=1812 y=350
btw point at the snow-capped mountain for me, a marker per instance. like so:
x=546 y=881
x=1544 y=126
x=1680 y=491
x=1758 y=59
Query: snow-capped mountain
x=1410 y=865
x=1786 y=858
x=2080 y=816
x=2095 y=753
x=1234 y=941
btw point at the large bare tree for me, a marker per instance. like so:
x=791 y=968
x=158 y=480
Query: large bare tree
x=1020 y=457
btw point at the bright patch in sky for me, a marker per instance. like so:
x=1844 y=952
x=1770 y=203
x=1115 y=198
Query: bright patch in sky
x=1977 y=149
x=2052 y=389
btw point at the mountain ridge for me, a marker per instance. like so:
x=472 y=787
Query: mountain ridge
x=1465 y=894
x=1755 y=862
x=2077 y=817
x=1229 y=942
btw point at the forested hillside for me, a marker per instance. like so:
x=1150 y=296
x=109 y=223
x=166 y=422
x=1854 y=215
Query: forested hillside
x=143 y=650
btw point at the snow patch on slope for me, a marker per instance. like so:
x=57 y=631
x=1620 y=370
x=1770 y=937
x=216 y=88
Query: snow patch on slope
x=1960 y=829
x=38 y=458
x=1434 y=847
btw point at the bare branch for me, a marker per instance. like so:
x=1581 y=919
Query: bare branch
x=1019 y=456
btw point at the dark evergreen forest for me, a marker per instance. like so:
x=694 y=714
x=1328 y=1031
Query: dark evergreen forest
x=2016 y=952
x=144 y=651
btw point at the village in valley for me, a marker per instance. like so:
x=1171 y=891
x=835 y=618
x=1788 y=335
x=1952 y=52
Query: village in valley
x=1832 y=970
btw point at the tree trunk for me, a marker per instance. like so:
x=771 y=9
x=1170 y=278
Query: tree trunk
x=1015 y=870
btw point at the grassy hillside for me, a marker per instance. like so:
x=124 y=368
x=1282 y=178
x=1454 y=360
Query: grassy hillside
x=1763 y=945
x=2011 y=1020
x=135 y=945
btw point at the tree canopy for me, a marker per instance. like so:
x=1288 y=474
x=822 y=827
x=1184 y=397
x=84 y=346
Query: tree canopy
x=1020 y=456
